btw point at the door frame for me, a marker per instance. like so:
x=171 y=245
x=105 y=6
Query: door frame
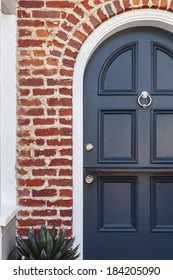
x=145 y=17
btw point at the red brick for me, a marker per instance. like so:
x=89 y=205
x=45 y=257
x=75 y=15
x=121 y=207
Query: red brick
x=24 y=33
x=44 y=193
x=46 y=212
x=67 y=223
x=31 y=203
x=39 y=91
x=52 y=24
x=163 y=4
x=68 y=63
x=22 y=231
x=87 y=28
x=109 y=10
x=66 y=152
x=31 y=112
x=52 y=61
x=23 y=213
x=42 y=33
x=127 y=5
x=86 y=5
x=31 y=4
x=62 y=35
x=43 y=121
x=45 y=72
x=60 y=203
x=65 y=121
x=23 y=122
x=23 y=133
x=23 y=192
x=72 y=19
x=31 y=62
x=26 y=142
x=74 y=44
x=63 y=82
x=24 y=72
x=51 y=112
x=63 y=102
x=94 y=21
x=24 y=92
x=46 y=153
x=24 y=153
x=31 y=222
x=78 y=11
x=60 y=162
x=65 y=112
x=118 y=7
x=55 y=53
x=65 y=172
x=40 y=53
x=23 y=14
x=46 y=14
x=34 y=182
x=65 y=91
x=59 y=4
x=66 y=213
x=47 y=132
x=66 y=193
x=56 y=223
x=31 y=162
x=66 y=26
x=30 y=23
x=44 y=172
x=39 y=142
x=31 y=82
x=29 y=102
x=101 y=15
x=82 y=37
x=62 y=142
x=30 y=43
x=71 y=53
x=60 y=182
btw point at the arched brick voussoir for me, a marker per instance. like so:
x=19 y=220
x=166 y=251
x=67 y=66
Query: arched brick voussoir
x=85 y=21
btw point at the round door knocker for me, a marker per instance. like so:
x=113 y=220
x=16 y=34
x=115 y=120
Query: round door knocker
x=144 y=95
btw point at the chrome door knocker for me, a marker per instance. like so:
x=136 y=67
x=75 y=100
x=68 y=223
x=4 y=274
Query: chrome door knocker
x=144 y=95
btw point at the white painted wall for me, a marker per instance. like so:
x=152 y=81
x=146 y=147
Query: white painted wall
x=8 y=206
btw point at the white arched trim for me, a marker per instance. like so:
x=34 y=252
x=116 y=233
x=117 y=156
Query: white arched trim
x=143 y=17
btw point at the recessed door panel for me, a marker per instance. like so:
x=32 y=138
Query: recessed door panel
x=117 y=201
x=162 y=59
x=162 y=140
x=162 y=204
x=118 y=74
x=117 y=144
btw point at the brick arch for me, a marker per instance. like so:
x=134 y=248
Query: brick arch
x=86 y=23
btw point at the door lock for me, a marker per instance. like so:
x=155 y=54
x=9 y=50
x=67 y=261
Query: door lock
x=89 y=147
x=89 y=179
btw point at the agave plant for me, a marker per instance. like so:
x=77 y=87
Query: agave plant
x=46 y=246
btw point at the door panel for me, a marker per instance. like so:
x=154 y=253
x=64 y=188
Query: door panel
x=128 y=212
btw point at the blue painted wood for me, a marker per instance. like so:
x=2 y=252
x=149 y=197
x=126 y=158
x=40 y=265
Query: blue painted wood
x=128 y=212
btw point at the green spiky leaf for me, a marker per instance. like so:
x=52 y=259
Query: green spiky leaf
x=46 y=246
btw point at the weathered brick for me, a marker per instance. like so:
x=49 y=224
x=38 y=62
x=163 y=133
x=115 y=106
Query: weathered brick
x=44 y=193
x=31 y=4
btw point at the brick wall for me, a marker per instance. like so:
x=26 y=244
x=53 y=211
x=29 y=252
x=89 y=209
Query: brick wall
x=50 y=35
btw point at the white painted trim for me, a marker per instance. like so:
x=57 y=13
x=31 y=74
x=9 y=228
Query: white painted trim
x=156 y=18
x=8 y=7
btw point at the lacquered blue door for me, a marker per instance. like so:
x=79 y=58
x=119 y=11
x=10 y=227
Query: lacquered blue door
x=128 y=147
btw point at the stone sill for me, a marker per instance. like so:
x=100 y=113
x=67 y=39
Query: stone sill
x=7 y=213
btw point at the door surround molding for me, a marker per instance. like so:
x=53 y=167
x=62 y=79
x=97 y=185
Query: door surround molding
x=144 y=17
